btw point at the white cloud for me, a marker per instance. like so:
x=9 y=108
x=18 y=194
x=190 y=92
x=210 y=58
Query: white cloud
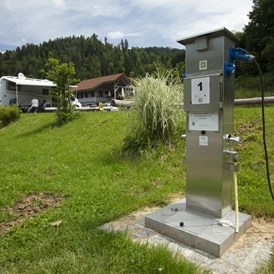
x=202 y=17
x=223 y=6
x=120 y=34
x=23 y=5
x=145 y=22
x=93 y=8
x=167 y=5
x=59 y=3
x=115 y=35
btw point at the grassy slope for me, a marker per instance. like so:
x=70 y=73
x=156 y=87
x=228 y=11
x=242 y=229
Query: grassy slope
x=254 y=196
x=82 y=161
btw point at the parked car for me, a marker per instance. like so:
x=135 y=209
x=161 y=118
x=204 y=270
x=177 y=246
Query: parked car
x=75 y=102
x=109 y=107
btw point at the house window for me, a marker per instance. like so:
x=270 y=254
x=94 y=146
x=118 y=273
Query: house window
x=100 y=93
x=45 y=91
x=86 y=94
x=108 y=93
x=92 y=94
x=81 y=95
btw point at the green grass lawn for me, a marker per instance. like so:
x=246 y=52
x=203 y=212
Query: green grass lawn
x=254 y=195
x=82 y=162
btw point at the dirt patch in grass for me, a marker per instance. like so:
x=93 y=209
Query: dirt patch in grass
x=29 y=206
x=262 y=230
x=248 y=132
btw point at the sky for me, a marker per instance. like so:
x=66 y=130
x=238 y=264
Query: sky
x=144 y=23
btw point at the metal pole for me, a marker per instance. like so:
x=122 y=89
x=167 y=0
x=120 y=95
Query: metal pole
x=69 y=99
x=16 y=95
x=254 y=101
x=58 y=109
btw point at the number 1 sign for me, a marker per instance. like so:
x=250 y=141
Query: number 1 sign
x=200 y=91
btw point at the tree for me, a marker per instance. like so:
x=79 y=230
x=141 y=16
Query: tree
x=126 y=44
x=122 y=44
x=60 y=75
x=258 y=33
x=268 y=53
x=94 y=37
x=88 y=55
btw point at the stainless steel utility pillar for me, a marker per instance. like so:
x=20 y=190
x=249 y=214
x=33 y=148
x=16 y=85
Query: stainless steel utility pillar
x=205 y=219
x=209 y=106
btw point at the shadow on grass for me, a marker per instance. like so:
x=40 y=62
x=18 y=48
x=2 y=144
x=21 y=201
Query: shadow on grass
x=37 y=130
x=117 y=156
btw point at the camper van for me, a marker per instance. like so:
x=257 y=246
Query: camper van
x=21 y=90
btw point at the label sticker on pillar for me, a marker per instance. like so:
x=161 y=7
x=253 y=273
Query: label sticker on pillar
x=203 y=141
x=203 y=65
x=200 y=91
x=204 y=121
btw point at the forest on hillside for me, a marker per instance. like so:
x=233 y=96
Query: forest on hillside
x=94 y=58
x=91 y=58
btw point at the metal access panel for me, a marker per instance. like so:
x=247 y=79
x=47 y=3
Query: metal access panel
x=209 y=107
x=204 y=93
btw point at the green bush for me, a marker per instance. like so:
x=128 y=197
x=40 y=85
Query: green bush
x=8 y=114
x=157 y=111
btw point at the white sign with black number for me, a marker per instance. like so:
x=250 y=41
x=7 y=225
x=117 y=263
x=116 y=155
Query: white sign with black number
x=204 y=121
x=200 y=91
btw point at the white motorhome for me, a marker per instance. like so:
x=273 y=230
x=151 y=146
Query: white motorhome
x=21 y=90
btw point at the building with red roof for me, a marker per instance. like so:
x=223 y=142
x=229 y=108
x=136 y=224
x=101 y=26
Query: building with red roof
x=102 y=89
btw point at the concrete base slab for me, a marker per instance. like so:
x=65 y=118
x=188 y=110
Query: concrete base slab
x=202 y=231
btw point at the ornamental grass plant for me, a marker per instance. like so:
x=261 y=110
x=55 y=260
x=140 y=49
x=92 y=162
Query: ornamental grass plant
x=157 y=111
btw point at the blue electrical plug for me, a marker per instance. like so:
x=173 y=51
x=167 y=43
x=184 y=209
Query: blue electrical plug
x=240 y=54
x=229 y=69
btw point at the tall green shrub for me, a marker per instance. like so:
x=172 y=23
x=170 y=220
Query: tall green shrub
x=157 y=110
x=8 y=114
x=59 y=74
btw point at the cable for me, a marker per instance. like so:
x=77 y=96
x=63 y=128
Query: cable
x=264 y=137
